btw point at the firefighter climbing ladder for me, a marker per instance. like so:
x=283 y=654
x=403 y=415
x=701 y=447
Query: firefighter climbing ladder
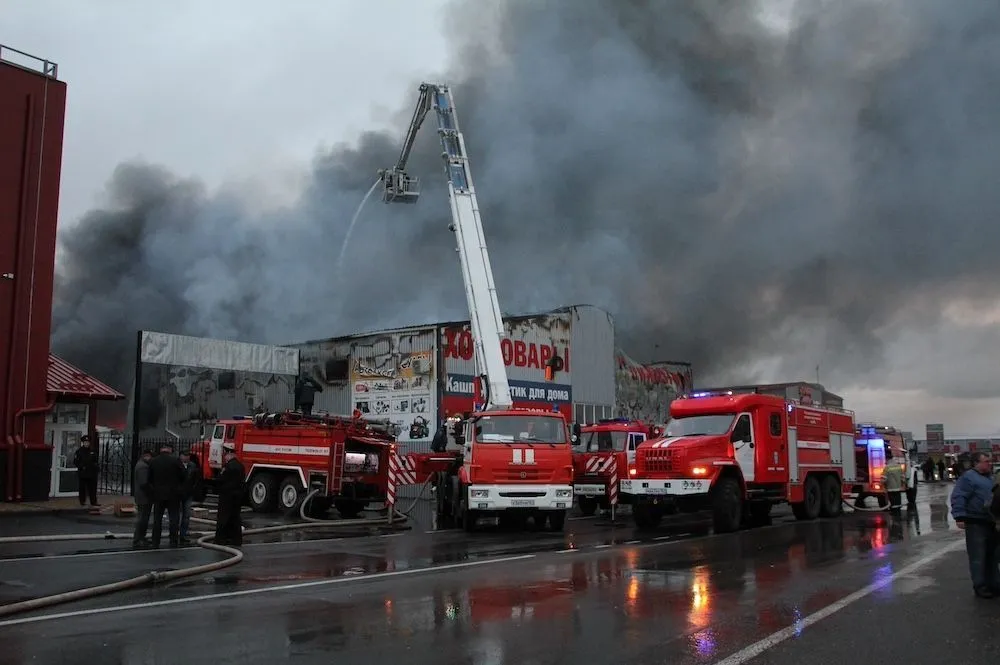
x=477 y=273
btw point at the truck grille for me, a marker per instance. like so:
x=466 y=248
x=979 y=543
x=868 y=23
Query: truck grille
x=516 y=475
x=656 y=461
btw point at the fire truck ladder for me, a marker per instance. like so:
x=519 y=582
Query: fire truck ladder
x=477 y=273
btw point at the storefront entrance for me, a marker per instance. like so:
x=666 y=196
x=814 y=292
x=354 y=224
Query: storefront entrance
x=64 y=427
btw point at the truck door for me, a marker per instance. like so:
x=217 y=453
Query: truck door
x=215 y=447
x=634 y=440
x=743 y=445
x=772 y=446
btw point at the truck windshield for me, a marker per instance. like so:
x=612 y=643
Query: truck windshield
x=520 y=429
x=595 y=442
x=699 y=425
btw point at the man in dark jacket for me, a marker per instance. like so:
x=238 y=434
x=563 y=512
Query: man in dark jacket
x=143 y=500
x=228 y=529
x=166 y=476
x=85 y=461
x=306 y=388
x=970 y=506
x=190 y=492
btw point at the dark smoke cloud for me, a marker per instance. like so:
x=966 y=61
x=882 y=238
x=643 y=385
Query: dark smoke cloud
x=729 y=191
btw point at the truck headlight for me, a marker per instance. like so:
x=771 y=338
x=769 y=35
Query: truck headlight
x=563 y=493
x=480 y=494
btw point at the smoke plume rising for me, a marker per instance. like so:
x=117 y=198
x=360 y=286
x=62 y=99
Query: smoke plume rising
x=734 y=181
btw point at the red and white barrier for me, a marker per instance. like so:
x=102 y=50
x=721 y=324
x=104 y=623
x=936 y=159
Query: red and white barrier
x=613 y=483
x=597 y=464
x=390 y=485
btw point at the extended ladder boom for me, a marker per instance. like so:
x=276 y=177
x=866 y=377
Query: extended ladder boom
x=477 y=273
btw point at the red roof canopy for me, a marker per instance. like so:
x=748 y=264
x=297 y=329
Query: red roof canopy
x=65 y=380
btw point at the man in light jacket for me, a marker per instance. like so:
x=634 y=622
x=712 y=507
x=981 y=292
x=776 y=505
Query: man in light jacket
x=970 y=506
x=143 y=501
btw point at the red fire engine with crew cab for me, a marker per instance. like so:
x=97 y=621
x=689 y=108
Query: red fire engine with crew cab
x=738 y=455
x=346 y=459
x=603 y=453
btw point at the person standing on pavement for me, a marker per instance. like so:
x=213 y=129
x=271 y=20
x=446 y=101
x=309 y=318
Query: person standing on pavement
x=892 y=479
x=85 y=461
x=228 y=528
x=971 y=500
x=911 y=486
x=166 y=476
x=143 y=500
x=190 y=491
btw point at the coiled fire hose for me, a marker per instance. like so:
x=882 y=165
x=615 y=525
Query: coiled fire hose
x=158 y=576
x=863 y=509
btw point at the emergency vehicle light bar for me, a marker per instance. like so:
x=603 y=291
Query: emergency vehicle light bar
x=709 y=393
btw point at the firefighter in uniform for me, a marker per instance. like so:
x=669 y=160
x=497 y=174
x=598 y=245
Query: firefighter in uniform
x=228 y=529
x=892 y=477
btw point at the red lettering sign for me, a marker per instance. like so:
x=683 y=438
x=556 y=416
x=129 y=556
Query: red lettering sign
x=458 y=344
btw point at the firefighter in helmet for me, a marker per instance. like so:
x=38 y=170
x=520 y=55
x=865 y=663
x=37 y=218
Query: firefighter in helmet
x=228 y=528
x=893 y=479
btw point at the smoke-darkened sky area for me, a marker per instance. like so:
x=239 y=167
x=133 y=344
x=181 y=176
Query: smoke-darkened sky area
x=757 y=187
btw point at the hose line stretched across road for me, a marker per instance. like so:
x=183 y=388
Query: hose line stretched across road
x=234 y=556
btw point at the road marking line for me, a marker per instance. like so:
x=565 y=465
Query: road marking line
x=757 y=648
x=631 y=542
x=662 y=537
x=81 y=555
x=566 y=551
x=601 y=547
x=270 y=589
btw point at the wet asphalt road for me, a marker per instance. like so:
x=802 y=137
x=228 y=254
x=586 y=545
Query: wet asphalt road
x=596 y=594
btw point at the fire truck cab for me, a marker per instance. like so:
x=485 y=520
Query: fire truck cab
x=604 y=451
x=505 y=463
x=287 y=454
x=738 y=455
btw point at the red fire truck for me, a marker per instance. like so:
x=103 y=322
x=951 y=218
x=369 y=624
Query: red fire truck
x=508 y=464
x=288 y=454
x=738 y=455
x=602 y=455
x=873 y=444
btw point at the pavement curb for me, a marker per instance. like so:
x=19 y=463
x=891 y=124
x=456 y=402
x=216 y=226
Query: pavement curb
x=44 y=512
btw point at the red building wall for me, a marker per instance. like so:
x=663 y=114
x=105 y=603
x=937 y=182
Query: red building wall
x=32 y=112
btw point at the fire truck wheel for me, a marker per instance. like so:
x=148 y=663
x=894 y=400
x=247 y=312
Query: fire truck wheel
x=588 y=505
x=727 y=506
x=263 y=493
x=290 y=494
x=832 y=504
x=557 y=520
x=812 y=501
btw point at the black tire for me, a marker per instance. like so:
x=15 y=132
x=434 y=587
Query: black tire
x=758 y=512
x=262 y=491
x=557 y=520
x=469 y=517
x=727 y=506
x=588 y=505
x=348 y=508
x=646 y=516
x=811 y=501
x=290 y=495
x=832 y=498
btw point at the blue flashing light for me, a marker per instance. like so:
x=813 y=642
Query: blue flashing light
x=555 y=408
x=876 y=443
x=709 y=393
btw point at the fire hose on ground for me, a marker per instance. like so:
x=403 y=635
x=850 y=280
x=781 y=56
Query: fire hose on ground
x=157 y=576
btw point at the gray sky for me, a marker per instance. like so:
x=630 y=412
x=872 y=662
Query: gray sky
x=250 y=91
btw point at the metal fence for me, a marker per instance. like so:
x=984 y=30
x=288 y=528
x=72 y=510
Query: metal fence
x=117 y=458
